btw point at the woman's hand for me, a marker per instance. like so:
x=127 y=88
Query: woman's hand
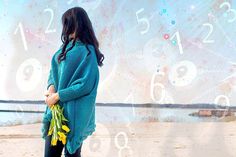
x=52 y=99
x=50 y=92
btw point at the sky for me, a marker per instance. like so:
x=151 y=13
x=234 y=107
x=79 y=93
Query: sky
x=163 y=51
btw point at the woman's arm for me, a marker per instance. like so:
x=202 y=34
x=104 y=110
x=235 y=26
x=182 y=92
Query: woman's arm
x=50 y=86
x=50 y=79
x=84 y=84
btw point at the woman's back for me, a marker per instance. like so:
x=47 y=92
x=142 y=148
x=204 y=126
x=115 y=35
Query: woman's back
x=74 y=75
x=76 y=80
x=77 y=56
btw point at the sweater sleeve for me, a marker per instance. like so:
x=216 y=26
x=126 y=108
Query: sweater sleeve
x=85 y=82
x=50 y=79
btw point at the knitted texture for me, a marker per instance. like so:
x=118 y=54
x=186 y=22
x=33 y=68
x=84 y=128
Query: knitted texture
x=76 y=80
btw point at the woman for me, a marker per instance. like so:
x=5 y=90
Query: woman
x=73 y=82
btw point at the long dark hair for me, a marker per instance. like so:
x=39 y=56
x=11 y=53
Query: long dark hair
x=76 y=20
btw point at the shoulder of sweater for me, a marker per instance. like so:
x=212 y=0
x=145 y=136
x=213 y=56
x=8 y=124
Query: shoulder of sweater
x=78 y=45
x=80 y=50
x=83 y=49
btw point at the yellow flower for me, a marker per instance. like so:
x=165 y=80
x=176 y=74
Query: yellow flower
x=50 y=132
x=64 y=140
x=61 y=134
x=62 y=137
x=54 y=142
x=56 y=129
x=64 y=127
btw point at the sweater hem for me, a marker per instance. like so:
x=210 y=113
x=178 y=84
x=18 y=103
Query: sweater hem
x=77 y=143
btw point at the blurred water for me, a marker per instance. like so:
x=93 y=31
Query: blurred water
x=104 y=114
x=15 y=118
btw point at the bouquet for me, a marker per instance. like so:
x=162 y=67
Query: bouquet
x=58 y=128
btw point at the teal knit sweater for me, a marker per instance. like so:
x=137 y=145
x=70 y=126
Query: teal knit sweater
x=76 y=80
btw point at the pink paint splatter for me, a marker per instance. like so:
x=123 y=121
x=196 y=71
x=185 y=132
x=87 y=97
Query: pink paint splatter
x=166 y=36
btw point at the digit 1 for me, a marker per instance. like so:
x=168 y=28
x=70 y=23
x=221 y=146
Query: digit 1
x=20 y=26
x=178 y=41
